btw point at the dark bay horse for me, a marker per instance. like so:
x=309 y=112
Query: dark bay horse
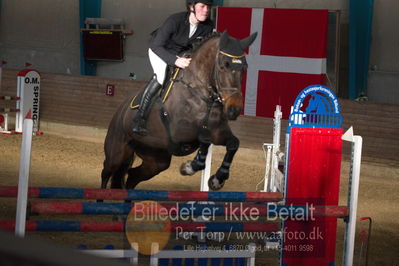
x=195 y=114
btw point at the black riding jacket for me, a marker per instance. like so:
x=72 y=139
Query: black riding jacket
x=171 y=39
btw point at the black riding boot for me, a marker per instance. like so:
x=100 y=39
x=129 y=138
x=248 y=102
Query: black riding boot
x=141 y=118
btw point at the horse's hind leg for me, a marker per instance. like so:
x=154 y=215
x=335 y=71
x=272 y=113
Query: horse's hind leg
x=105 y=176
x=117 y=180
x=115 y=167
x=151 y=166
x=116 y=164
x=116 y=173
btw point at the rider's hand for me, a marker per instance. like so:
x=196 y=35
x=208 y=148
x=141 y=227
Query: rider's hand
x=182 y=62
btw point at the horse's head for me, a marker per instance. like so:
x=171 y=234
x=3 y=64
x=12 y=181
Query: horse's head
x=229 y=67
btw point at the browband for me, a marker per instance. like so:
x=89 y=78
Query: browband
x=232 y=56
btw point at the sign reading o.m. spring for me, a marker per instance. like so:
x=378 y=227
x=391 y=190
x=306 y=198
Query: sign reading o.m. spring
x=28 y=89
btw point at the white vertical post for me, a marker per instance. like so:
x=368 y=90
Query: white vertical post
x=277 y=126
x=135 y=259
x=267 y=170
x=23 y=182
x=154 y=250
x=353 y=192
x=206 y=173
x=6 y=122
x=272 y=156
x=276 y=149
x=252 y=249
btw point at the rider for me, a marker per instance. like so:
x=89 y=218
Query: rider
x=174 y=37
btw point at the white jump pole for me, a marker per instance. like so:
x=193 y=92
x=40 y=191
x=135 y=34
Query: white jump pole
x=23 y=182
x=353 y=192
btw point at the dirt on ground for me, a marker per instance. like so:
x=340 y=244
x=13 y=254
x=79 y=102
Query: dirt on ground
x=64 y=162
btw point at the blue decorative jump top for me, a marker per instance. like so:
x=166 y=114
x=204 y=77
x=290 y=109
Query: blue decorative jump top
x=316 y=106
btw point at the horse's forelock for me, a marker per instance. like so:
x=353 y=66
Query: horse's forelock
x=201 y=43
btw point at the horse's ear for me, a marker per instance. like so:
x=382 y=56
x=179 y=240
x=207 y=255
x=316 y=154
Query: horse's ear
x=223 y=40
x=245 y=43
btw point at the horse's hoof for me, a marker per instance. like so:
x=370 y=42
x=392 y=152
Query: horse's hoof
x=214 y=184
x=186 y=169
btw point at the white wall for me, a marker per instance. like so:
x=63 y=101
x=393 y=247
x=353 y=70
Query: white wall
x=383 y=80
x=142 y=17
x=44 y=33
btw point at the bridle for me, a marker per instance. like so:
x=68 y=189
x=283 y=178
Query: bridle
x=214 y=90
x=217 y=68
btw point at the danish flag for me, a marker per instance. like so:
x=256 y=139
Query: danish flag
x=288 y=55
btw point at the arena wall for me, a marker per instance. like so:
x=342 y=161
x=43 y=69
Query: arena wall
x=76 y=106
x=51 y=40
x=74 y=99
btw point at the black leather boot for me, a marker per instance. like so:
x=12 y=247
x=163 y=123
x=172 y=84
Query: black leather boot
x=141 y=117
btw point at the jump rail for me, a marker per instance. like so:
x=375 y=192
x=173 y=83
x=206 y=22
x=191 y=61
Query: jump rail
x=93 y=226
x=9 y=98
x=9 y=110
x=156 y=195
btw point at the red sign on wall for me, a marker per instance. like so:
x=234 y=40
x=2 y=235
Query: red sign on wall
x=110 y=90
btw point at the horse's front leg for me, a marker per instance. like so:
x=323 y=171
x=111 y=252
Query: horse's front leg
x=191 y=167
x=216 y=181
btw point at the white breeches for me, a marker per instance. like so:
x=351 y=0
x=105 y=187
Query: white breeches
x=158 y=66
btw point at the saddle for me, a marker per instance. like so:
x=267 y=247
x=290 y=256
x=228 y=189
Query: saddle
x=171 y=74
x=178 y=149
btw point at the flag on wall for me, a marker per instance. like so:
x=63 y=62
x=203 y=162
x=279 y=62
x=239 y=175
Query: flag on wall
x=288 y=55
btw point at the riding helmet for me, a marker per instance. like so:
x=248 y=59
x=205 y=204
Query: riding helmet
x=206 y=2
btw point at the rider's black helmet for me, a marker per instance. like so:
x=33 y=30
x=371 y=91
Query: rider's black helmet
x=206 y=2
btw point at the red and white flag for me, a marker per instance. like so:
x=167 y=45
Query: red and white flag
x=288 y=55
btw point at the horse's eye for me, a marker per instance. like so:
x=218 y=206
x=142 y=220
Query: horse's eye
x=226 y=64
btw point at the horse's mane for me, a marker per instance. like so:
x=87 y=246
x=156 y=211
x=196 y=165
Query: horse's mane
x=197 y=44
